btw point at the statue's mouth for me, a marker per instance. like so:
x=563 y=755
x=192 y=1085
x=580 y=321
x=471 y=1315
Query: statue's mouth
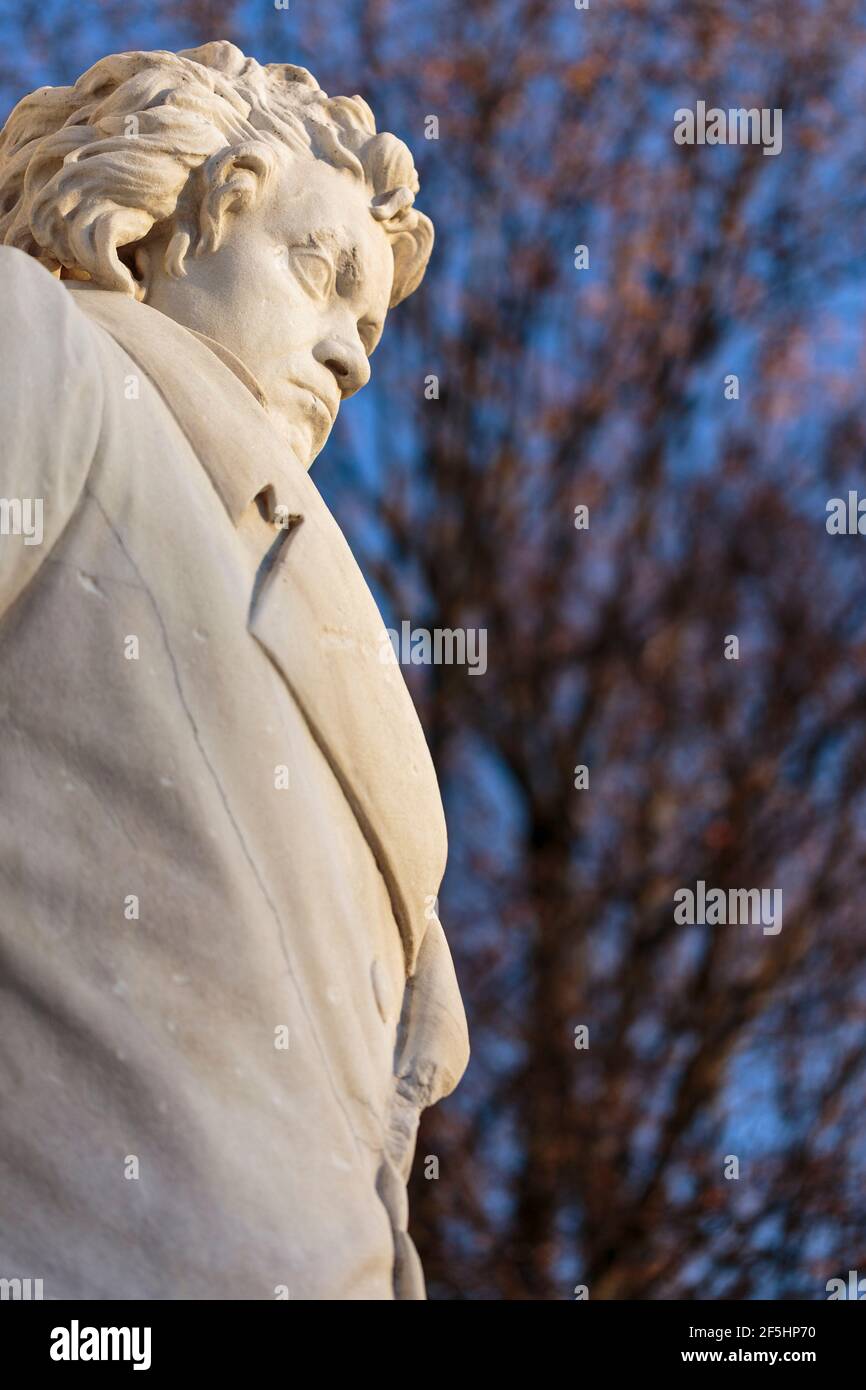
x=313 y=414
x=321 y=405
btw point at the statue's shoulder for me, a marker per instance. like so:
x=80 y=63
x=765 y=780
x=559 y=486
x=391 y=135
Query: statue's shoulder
x=37 y=313
x=51 y=405
x=21 y=274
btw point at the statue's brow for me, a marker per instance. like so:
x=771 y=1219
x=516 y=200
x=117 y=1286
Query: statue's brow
x=324 y=236
x=348 y=272
x=346 y=260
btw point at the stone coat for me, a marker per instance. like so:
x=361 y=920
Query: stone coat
x=224 y=992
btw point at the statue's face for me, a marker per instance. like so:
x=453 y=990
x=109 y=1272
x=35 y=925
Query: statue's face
x=298 y=289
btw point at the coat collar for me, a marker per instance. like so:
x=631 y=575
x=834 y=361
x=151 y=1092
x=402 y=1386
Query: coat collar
x=234 y=364
x=313 y=614
x=145 y=333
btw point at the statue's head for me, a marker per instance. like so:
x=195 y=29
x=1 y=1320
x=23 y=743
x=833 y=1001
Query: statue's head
x=238 y=199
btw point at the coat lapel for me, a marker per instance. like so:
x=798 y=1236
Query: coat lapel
x=313 y=614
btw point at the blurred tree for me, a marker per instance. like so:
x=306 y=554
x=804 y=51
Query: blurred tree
x=605 y=387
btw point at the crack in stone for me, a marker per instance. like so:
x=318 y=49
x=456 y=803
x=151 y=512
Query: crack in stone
x=359 y=1139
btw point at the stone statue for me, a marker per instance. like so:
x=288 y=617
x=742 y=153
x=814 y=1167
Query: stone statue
x=226 y=995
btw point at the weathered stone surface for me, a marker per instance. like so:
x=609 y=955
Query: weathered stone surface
x=226 y=997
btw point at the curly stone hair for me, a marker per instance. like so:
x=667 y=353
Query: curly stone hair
x=174 y=141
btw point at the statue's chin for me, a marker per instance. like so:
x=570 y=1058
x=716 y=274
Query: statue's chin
x=298 y=442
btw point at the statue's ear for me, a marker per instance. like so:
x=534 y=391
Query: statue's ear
x=386 y=205
x=231 y=180
x=142 y=262
x=411 y=248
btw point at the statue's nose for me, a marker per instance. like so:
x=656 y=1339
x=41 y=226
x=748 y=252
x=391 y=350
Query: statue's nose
x=348 y=364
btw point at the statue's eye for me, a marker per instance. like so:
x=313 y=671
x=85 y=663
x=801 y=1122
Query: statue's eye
x=315 y=271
